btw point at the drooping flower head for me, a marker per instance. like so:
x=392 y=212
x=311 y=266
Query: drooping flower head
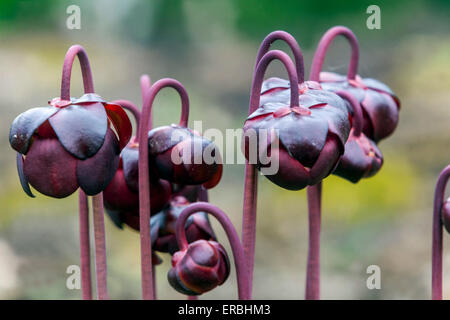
x=379 y=104
x=71 y=142
x=362 y=158
x=181 y=155
x=311 y=125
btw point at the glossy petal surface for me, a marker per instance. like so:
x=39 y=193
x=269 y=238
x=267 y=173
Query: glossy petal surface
x=22 y=177
x=95 y=173
x=25 y=124
x=81 y=129
x=50 y=169
x=121 y=123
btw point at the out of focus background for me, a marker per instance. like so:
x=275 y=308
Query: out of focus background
x=210 y=46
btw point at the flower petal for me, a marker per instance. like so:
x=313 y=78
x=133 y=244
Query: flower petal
x=81 y=129
x=22 y=177
x=25 y=124
x=50 y=169
x=163 y=138
x=130 y=159
x=121 y=123
x=95 y=173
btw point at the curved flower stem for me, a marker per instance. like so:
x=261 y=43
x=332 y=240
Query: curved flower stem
x=321 y=51
x=76 y=50
x=88 y=83
x=144 y=179
x=238 y=253
x=290 y=40
x=85 y=251
x=146 y=84
x=436 y=260
x=251 y=177
x=357 y=119
x=312 y=290
x=100 y=247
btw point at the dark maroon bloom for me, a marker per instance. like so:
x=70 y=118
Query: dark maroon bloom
x=312 y=126
x=362 y=158
x=200 y=268
x=70 y=144
x=177 y=154
x=190 y=192
x=379 y=104
x=162 y=226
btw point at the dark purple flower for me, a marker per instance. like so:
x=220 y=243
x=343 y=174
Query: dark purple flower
x=177 y=153
x=312 y=127
x=379 y=104
x=163 y=226
x=69 y=144
x=362 y=158
x=200 y=268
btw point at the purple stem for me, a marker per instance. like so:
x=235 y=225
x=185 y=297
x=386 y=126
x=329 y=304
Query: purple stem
x=238 y=252
x=436 y=260
x=100 y=247
x=146 y=84
x=88 y=83
x=85 y=252
x=290 y=40
x=144 y=178
x=357 y=120
x=251 y=177
x=321 y=51
x=312 y=290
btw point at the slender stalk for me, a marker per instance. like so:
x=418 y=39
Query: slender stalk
x=251 y=178
x=312 y=290
x=436 y=259
x=85 y=260
x=244 y=292
x=321 y=51
x=85 y=252
x=144 y=179
x=100 y=247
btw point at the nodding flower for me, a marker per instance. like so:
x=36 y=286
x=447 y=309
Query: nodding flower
x=379 y=104
x=362 y=158
x=202 y=265
x=311 y=124
x=70 y=143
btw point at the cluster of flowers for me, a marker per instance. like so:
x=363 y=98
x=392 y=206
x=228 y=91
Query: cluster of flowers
x=330 y=124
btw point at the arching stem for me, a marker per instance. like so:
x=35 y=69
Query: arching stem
x=251 y=177
x=321 y=51
x=238 y=252
x=88 y=83
x=436 y=260
x=312 y=290
x=144 y=179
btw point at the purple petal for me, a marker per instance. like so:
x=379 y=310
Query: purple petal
x=50 y=169
x=163 y=138
x=25 y=124
x=81 y=129
x=130 y=159
x=121 y=123
x=95 y=173
x=22 y=177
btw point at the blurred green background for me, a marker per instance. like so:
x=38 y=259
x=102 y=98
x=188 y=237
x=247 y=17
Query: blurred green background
x=210 y=46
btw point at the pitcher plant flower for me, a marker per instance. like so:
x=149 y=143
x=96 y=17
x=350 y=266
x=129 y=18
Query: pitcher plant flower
x=379 y=104
x=312 y=127
x=69 y=145
x=202 y=265
x=441 y=214
x=362 y=158
x=159 y=145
